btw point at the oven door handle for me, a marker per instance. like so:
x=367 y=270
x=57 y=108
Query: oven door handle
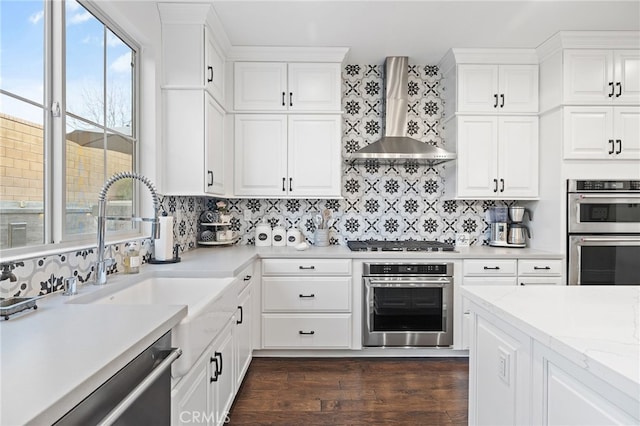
x=440 y=283
x=626 y=198
x=619 y=239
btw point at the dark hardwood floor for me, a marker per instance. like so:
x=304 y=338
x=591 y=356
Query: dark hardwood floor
x=353 y=391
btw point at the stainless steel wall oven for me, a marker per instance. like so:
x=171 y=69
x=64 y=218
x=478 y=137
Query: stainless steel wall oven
x=603 y=224
x=408 y=304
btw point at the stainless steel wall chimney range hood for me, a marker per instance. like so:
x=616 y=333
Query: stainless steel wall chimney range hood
x=396 y=144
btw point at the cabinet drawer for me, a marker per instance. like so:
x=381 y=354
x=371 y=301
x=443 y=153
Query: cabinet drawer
x=540 y=281
x=493 y=267
x=306 y=331
x=540 y=267
x=305 y=267
x=310 y=294
x=499 y=280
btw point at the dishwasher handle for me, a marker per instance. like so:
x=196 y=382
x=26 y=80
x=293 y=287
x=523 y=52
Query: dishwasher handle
x=127 y=401
x=399 y=283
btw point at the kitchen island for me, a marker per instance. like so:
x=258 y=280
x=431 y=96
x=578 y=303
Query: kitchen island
x=554 y=355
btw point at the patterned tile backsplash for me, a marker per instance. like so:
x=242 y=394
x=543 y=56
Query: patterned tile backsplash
x=381 y=201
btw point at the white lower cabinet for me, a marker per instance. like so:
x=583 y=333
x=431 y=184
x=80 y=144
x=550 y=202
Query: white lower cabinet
x=306 y=304
x=540 y=272
x=515 y=379
x=204 y=395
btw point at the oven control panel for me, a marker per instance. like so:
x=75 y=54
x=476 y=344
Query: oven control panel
x=604 y=185
x=408 y=269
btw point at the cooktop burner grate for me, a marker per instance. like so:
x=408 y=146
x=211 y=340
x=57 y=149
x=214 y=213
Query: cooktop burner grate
x=373 y=245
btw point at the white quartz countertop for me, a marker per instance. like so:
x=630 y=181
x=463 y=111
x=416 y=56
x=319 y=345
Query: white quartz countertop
x=53 y=357
x=595 y=327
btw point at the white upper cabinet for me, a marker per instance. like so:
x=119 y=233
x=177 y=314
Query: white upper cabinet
x=597 y=77
x=274 y=86
x=497 y=88
x=497 y=158
x=287 y=156
x=214 y=147
x=601 y=132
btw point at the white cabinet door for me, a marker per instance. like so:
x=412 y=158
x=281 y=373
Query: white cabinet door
x=518 y=156
x=588 y=76
x=627 y=74
x=190 y=397
x=214 y=146
x=314 y=87
x=588 y=132
x=518 y=88
x=214 y=67
x=244 y=336
x=260 y=86
x=260 y=155
x=314 y=155
x=221 y=372
x=626 y=132
x=477 y=164
x=478 y=88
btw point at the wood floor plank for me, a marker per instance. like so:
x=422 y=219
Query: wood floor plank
x=353 y=391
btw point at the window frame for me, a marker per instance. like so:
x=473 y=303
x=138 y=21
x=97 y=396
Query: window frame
x=55 y=238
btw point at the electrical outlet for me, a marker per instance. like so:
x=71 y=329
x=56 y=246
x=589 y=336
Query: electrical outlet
x=503 y=365
x=247 y=215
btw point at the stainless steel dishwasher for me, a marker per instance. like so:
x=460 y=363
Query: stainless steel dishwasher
x=138 y=394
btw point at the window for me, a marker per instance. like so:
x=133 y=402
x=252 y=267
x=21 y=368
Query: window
x=67 y=121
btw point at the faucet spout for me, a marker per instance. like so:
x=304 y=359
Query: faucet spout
x=103 y=264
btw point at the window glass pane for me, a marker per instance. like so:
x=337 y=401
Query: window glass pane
x=21 y=124
x=84 y=63
x=22 y=49
x=100 y=124
x=21 y=174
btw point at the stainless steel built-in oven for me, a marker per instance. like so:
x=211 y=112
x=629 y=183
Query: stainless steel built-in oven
x=408 y=304
x=603 y=223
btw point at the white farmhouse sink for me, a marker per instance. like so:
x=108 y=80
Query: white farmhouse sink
x=208 y=305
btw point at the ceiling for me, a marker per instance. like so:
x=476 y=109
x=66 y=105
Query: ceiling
x=421 y=29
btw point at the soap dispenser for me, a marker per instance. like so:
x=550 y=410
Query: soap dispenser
x=132 y=261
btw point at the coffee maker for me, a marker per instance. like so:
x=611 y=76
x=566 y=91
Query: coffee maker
x=507 y=227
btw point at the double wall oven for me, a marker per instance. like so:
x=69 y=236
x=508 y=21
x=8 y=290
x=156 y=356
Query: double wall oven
x=603 y=224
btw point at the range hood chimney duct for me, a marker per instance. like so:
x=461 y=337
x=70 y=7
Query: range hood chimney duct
x=396 y=144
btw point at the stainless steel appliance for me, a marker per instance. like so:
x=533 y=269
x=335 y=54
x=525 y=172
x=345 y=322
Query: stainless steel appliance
x=603 y=238
x=139 y=394
x=507 y=228
x=408 y=245
x=407 y=304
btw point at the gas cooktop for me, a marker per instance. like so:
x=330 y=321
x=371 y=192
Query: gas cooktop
x=372 y=245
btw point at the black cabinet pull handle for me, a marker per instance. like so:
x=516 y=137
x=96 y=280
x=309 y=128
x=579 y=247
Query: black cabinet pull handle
x=283 y=181
x=290 y=184
x=619 y=86
x=215 y=370
x=306 y=332
x=619 y=142
x=493 y=268
x=501 y=185
x=612 y=89
x=246 y=278
x=283 y=95
x=612 y=148
x=495 y=185
x=495 y=95
x=210 y=78
x=502 y=100
x=241 y=316
x=218 y=356
x=290 y=99
x=306 y=267
x=521 y=283
x=210 y=174
x=307 y=296
x=544 y=268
